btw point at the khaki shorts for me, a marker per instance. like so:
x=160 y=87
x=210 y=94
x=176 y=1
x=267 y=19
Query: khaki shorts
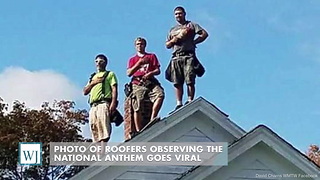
x=99 y=121
x=139 y=93
x=182 y=69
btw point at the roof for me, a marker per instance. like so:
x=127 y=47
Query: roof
x=198 y=106
x=242 y=140
x=262 y=133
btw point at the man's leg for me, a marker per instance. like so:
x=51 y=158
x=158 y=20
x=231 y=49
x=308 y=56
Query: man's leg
x=103 y=144
x=191 y=92
x=138 y=93
x=93 y=124
x=104 y=124
x=155 y=110
x=177 y=78
x=156 y=107
x=190 y=76
x=178 y=88
x=137 y=120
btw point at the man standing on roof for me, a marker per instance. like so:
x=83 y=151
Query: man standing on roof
x=143 y=67
x=181 y=39
x=103 y=91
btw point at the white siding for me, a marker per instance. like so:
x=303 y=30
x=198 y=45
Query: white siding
x=194 y=135
x=195 y=128
x=260 y=162
x=199 y=121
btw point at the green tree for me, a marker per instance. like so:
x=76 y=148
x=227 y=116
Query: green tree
x=314 y=154
x=57 y=123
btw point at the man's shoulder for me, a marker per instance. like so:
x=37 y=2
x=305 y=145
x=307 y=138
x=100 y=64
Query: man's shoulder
x=111 y=73
x=133 y=57
x=195 y=25
x=111 y=77
x=153 y=56
x=174 y=27
x=192 y=23
x=106 y=73
x=150 y=54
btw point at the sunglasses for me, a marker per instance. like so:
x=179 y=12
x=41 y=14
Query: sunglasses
x=99 y=61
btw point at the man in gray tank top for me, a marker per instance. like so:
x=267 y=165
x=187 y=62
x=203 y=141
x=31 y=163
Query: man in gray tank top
x=182 y=39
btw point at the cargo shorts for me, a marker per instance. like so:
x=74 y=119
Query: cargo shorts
x=139 y=93
x=181 y=69
x=99 y=120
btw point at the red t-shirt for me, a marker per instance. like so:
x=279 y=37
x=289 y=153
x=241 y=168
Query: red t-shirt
x=144 y=69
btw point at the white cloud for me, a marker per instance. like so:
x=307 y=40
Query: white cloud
x=35 y=87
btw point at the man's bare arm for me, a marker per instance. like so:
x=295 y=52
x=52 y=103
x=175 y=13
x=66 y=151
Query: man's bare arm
x=135 y=67
x=132 y=70
x=113 y=104
x=155 y=72
x=170 y=43
x=151 y=73
x=87 y=88
x=203 y=34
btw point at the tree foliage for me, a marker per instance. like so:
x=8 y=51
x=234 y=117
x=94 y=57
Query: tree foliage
x=57 y=123
x=314 y=154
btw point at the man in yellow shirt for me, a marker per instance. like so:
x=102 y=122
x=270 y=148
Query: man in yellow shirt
x=103 y=91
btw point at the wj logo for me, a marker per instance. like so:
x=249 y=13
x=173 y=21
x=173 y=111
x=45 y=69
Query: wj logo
x=30 y=153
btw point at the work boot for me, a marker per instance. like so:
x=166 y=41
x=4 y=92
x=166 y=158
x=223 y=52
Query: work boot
x=176 y=108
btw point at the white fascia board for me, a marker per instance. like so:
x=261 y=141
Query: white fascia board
x=222 y=120
x=261 y=134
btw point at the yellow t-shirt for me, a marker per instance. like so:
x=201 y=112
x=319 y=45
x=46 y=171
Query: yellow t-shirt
x=96 y=92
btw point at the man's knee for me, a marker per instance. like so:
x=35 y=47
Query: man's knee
x=191 y=84
x=157 y=93
x=105 y=139
x=178 y=85
x=158 y=99
x=137 y=98
x=161 y=98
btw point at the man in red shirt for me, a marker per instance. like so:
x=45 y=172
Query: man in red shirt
x=143 y=67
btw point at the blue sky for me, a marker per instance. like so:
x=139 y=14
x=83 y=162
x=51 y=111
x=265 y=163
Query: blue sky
x=262 y=57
